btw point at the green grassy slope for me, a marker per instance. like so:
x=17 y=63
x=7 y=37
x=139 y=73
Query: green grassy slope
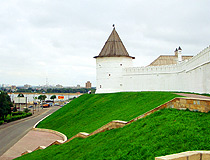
x=90 y=112
x=164 y=132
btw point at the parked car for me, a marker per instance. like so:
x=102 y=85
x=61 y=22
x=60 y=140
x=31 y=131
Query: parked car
x=56 y=104
x=46 y=105
x=61 y=105
x=30 y=107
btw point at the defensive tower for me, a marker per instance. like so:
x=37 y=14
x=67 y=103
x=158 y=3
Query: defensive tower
x=110 y=63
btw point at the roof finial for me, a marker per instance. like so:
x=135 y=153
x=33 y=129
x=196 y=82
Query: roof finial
x=113 y=26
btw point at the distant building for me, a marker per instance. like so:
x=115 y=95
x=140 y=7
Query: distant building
x=27 y=86
x=58 y=86
x=78 y=86
x=5 y=85
x=170 y=59
x=13 y=87
x=88 y=84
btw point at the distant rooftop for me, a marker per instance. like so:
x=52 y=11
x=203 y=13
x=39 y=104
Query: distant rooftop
x=167 y=60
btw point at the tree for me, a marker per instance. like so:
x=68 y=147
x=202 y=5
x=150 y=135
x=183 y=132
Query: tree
x=53 y=97
x=42 y=97
x=20 y=95
x=5 y=105
x=14 y=109
x=35 y=98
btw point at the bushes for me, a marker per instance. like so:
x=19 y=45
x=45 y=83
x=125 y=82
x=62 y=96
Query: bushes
x=15 y=116
x=26 y=110
x=17 y=113
x=1 y=122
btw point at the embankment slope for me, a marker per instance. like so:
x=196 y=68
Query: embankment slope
x=91 y=111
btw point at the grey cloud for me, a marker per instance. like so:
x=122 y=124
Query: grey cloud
x=59 y=38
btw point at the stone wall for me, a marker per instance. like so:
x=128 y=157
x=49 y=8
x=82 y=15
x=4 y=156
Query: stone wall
x=188 y=76
x=193 y=104
x=190 y=155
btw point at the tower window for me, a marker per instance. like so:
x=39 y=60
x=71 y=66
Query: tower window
x=121 y=85
x=100 y=86
x=120 y=64
x=109 y=74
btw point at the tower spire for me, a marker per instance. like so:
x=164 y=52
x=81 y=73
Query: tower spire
x=114 y=47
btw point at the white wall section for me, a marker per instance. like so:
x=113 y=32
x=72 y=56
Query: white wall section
x=116 y=74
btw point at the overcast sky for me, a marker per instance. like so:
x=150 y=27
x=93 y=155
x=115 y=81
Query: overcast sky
x=57 y=39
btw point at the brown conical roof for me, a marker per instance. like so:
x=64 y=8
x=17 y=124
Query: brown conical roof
x=113 y=47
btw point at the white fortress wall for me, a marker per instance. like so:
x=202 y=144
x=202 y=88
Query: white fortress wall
x=190 y=76
x=109 y=73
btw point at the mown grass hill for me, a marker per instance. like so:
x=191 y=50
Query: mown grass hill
x=164 y=132
x=91 y=111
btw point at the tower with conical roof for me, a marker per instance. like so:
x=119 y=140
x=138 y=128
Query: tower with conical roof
x=110 y=63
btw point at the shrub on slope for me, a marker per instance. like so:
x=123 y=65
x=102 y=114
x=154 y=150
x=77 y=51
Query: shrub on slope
x=89 y=112
x=164 y=132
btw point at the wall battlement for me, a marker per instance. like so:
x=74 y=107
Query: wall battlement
x=200 y=59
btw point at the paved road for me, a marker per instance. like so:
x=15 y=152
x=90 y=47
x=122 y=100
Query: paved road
x=11 y=134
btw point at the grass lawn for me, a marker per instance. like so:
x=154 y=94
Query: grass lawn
x=91 y=111
x=164 y=132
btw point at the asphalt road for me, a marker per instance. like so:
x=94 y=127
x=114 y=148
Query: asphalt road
x=11 y=134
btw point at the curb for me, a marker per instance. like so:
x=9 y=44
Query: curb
x=49 y=130
x=41 y=120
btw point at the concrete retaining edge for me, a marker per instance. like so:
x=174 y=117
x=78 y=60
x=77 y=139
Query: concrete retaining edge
x=49 y=131
x=41 y=120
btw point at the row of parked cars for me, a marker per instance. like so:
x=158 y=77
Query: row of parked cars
x=46 y=105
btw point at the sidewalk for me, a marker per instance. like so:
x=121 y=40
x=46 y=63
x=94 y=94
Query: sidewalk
x=30 y=141
x=193 y=95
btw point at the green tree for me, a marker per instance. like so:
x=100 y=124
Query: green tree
x=14 y=109
x=42 y=97
x=5 y=105
x=53 y=97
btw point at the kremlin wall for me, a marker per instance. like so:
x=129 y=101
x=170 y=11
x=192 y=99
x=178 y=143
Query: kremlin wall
x=115 y=72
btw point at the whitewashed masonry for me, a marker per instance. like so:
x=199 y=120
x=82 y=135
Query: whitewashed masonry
x=115 y=73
